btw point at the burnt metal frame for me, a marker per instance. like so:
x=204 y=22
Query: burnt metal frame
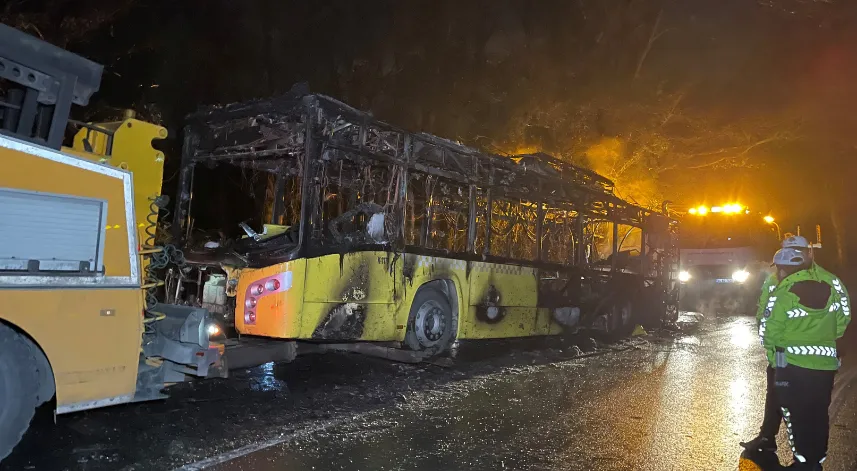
x=52 y=80
x=329 y=127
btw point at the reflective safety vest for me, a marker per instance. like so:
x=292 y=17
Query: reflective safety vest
x=792 y=334
x=770 y=284
x=768 y=287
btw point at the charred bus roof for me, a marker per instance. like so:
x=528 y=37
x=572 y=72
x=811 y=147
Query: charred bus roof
x=272 y=135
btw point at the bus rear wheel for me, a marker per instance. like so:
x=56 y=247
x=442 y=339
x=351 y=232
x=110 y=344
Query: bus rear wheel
x=620 y=319
x=430 y=323
x=19 y=387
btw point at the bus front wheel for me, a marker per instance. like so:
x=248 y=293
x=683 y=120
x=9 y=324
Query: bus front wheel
x=19 y=387
x=430 y=323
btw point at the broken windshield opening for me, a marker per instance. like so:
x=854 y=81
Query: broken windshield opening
x=243 y=208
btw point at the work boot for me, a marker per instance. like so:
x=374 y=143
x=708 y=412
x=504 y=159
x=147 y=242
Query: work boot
x=760 y=443
x=753 y=460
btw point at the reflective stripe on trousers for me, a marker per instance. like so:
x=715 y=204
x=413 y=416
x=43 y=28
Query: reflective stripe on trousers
x=798 y=457
x=787 y=417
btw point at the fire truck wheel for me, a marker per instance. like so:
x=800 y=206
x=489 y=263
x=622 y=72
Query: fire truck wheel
x=19 y=387
x=430 y=323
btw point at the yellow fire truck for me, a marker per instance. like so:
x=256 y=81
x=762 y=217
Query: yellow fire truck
x=72 y=322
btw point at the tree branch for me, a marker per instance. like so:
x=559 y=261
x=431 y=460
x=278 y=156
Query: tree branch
x=671 y=111
x=745 y=150
x=655 y=34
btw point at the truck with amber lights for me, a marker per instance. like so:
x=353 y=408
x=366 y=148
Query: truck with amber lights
x=724 y=255
x=75 y=328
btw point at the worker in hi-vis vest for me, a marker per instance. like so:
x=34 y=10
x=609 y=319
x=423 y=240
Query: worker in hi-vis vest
x=766 y=442
x=806 y=311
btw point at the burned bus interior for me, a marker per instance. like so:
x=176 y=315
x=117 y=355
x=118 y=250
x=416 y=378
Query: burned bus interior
x=304 y=175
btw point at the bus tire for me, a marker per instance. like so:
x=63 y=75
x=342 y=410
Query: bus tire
x=621 y=319
x=19 y=387
x=431 y=325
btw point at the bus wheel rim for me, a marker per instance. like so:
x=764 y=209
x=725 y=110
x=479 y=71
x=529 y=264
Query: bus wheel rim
x=430 y=323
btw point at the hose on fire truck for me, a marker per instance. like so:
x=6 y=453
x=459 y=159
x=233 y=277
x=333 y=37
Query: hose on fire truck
x=158 y=258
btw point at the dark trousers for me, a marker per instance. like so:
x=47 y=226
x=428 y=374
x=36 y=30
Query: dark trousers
x=773 y=413
x=804 y=396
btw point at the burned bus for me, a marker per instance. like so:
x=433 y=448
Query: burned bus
x=304 y=219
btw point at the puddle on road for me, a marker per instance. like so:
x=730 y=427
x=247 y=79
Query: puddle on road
x=266 y=380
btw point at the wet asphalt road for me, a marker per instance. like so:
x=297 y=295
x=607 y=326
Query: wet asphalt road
x=666 y=402
x=681 y=405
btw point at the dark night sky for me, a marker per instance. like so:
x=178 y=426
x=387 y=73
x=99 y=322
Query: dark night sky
x=486 y=72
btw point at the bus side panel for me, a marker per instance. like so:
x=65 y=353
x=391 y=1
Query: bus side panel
x=516 y=322
x=545 y=325
x=352 y=296
x=362 y=277
x=419 y=270
x=517 y=289
x=349 y=321
x=91 y=338
x=365 y=299
x=23 y=171
x=278 y=315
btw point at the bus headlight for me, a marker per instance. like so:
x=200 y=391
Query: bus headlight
x=684 y=276
x=740 y=275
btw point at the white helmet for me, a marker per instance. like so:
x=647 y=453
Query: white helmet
x=798 y=242
x=790 y=257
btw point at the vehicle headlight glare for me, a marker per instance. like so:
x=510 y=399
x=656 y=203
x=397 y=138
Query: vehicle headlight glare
x=740 y=275
x=684 y=276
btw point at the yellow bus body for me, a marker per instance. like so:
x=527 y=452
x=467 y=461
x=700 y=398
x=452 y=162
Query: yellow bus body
x=368 y=281
x=89 y=327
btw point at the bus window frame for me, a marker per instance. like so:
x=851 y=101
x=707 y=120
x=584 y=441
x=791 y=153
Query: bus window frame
x=538 y=178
